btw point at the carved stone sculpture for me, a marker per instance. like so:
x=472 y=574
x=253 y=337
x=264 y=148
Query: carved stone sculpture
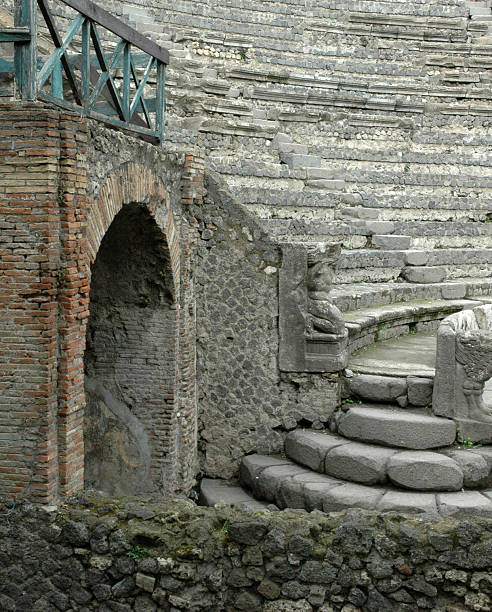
x=463 y=366
x=313 y=336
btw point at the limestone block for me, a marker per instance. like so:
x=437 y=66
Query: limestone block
x=350 y=495
x=360 y=463
x=269 y=480
x=398 y=428
x=474 y=467
x=453 y=291
x=377 y=388
x=420 y=390
x=424 y=274
x=380 y=227
x=332 y=185
x=252 y=465
x=478 y=432
x=358 y=212
x=321 y=173
x=416 y=258
x=215 y=491
x=309 y=448
x=425 y=471
x=291 y=147
x=295 y=160
x=405 y=501
x=465 y=501
x=317 y=492
x=392 y=242
x=290 y=494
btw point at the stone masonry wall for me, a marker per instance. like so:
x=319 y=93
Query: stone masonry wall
x=119 y=555
x=245 y=404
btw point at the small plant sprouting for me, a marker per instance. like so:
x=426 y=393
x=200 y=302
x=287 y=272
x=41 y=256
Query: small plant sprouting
x=137 y=552
x=224 y=530
x=465 y=442
x=282 y=454
x=350 y=400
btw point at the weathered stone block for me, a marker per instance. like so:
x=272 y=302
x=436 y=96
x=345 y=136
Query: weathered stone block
x=425 y=471
x=420 y=390
x=377 y=388
x=392 y=242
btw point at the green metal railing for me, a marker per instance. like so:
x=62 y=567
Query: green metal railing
x=120 y=86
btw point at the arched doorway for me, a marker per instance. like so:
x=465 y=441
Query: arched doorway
x=130 y=357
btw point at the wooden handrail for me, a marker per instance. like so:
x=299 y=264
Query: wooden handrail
x=105 y=19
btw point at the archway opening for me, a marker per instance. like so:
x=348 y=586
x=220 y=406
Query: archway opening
x=129 y=361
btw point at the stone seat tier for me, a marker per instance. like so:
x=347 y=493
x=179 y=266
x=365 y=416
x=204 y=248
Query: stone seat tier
x=361 y=296
x=409 y=429
x=368 y=464
x=368 y=325
x=288 y=485
x=440 y=205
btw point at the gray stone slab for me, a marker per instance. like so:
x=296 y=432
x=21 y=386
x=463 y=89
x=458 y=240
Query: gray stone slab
x=295 y=160
x=330 y=185
x=252 y=465
x=292 y=304
x=404 y=501
x=424 y=274
x=425 y=471
x=359 y=212
x=315 y=493
x=309 y=448
x=486 y=453
x=419 y=390
x=322 y=173
x=476 y=431
x=474 y=467
x=290 y=494
x=290 y=147
x=416 y=258
x=380 y=227
x=359 y=463
x=269 y=480
x=392 y=242
x=464 y=502
x=215 y=491
x=352 y=496
x=377 y=388
x=411 y=355
x=399 y=428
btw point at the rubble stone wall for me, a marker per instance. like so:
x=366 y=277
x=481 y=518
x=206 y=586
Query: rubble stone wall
x=116 y=555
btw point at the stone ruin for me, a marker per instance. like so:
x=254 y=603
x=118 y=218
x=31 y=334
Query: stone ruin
x=318 y=218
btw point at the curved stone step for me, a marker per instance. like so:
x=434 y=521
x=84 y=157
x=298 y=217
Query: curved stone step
x=289 y=486
x=397 y=428
x=369 y=465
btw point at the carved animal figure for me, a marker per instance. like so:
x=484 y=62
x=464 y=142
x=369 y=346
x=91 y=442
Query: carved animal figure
x=474 y=353
x=323 y=317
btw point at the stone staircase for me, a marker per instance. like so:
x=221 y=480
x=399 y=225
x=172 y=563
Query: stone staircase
x=384 y=449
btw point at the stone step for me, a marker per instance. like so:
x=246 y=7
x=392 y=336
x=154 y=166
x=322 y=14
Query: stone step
x=413 y=430
x=442 y=206
x=366 y=296
x=368 y=464
x=213 y=492
x=290 y=486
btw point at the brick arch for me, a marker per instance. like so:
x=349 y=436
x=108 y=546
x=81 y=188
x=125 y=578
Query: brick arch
x=133 y=183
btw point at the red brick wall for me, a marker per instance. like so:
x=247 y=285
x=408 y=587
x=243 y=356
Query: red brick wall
x=49 y=235
x=43 y=300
